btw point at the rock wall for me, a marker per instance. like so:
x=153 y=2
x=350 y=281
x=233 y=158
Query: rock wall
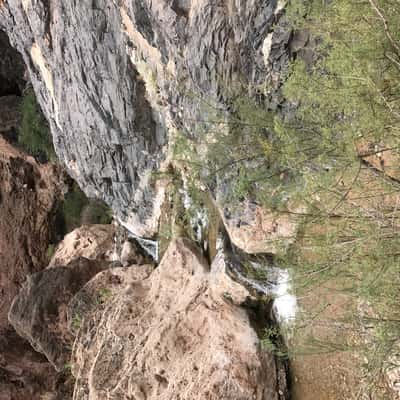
x=116 y=79
x=28 y=194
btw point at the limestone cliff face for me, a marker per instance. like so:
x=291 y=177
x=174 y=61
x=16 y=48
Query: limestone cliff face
x=117 y=78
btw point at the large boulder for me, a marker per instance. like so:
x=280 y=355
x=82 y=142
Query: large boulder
x=39 y=311
x=96 y=242
x=178 y=332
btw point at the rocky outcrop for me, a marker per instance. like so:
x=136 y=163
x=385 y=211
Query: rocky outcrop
x=38 y=312
x=254 y=229
x=95 y=242
x=12 y=69
x=142 y=341
x=28 y=195
x=134 y=337
x=132 y=73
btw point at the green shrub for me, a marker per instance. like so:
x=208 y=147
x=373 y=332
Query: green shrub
x=50 y=251
x=74 y=202
x=34 y=134
x=77 y=210
x=96 y=212
x=349 y=95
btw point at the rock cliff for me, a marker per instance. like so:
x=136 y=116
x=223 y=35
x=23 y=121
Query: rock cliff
x=28 y=195
x=116 y=79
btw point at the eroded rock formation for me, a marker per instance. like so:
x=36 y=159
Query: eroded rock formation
x=116 y=79
x=143 y=341
x=28 y=195
x=38 y=312
x=134 y=337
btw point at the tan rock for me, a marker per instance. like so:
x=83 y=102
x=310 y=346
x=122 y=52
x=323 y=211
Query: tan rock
x=255 y=229
x=131 y=254
x=29 y=193
x=177 y=334
x=94 y=242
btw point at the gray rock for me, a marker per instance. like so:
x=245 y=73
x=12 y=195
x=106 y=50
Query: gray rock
x=115 y=78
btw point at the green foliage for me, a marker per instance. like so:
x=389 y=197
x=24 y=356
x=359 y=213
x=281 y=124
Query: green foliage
x=96 y=212
x=77 y=209
x=72 y=207
x=50 y=251
x=103 y=295
x=272 y=342
x=77 y=322
x=347 y=98
x=34 y=134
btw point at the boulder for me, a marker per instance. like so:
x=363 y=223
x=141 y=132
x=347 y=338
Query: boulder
x=38 y=312
x=95 y=242
x=178 y=332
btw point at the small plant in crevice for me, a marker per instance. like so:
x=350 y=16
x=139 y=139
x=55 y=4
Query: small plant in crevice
x=50 y=251
x=76 y=321
x=103 y=295
x=67 y=367
x=272 y=341
x=76 y=210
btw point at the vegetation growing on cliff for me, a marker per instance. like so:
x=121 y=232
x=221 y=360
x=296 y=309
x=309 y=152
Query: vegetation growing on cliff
x=34 y=134
x=348 y=111
x=77 y=210
x=339 y=157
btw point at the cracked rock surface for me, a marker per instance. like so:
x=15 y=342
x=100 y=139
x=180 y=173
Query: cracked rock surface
x=142 y=341
x=116 y=79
